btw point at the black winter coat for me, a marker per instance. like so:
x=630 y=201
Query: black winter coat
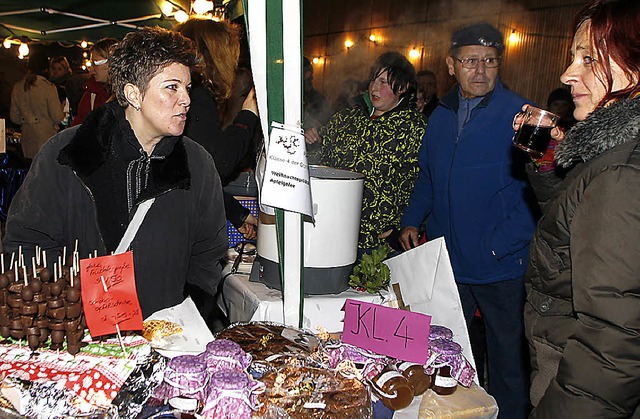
x=228 y=146
x=582 y=314
x=183 y=236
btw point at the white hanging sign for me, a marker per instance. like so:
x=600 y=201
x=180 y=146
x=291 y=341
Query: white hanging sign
x=286 y=176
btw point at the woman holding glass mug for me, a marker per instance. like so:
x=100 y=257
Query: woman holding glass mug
x=582 y=314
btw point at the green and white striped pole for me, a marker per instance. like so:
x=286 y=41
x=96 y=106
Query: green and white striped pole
x=275 y=41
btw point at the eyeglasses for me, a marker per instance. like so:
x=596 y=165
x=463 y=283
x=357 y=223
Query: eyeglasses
x=489 y=62
x=100 y=62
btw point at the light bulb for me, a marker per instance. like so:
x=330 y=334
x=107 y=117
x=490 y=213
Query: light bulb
x=83 y=44
x=181 y=16
x=315 y=60
x=372 y=38
x=414 y=53
x=167 y=8
x=513 y=38
x=348 y=43
x=202 y=6
x=23 y=49
x=6 y=43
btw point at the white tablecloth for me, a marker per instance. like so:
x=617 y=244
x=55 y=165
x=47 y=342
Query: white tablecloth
x=243 y=300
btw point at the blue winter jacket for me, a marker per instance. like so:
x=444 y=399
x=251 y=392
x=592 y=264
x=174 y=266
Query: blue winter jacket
x=473 y=191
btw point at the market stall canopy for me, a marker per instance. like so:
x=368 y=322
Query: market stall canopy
x=72 y=21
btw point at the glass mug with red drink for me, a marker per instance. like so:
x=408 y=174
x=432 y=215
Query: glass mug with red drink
x=534 y=134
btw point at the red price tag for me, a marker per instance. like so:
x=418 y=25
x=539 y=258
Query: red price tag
x=109 y=296
x=388 y=331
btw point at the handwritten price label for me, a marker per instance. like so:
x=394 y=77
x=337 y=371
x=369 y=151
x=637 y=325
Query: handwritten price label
x=388 y=331
x=119 y=303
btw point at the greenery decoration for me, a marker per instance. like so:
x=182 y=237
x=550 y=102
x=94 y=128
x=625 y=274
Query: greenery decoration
x=371 y=274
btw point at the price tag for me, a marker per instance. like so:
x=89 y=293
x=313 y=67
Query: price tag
x=388 y=331
x=109 y=296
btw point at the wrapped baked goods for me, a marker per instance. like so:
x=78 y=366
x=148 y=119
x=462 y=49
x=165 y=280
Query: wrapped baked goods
x=304 y=392
x=155 y=330
x=264 y=339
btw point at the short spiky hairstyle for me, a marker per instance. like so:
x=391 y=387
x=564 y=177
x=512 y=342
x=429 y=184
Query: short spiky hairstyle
x=144 y=53
x=400 y=73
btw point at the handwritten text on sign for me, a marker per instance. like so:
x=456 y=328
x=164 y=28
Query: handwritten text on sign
x=388 y=331
x=119 y=303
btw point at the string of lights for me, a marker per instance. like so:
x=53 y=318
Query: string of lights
x=203 y=9
x=415 y=51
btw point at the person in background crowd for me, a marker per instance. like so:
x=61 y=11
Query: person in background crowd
x=89 y=180
x=218 y=45
x=582 y=314
x=316 y=110
x=471 y=191
x=378 y=137
x=241 y=88
x=71 y=84
x=428 y=86
x=351 y=90
x=96 y=90
x=5 y=96
x=560 y=103
x=36 y=108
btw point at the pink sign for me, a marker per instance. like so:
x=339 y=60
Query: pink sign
x=388 y=331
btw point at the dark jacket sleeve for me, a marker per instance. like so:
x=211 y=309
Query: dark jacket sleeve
x=35 y=214
x=598 y=373
x=545 y=184
x=236 y=212
x=211 y=241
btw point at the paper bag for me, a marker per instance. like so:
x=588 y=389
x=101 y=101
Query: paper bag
x=426 y=282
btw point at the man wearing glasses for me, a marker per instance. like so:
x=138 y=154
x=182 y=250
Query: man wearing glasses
x=472 y=192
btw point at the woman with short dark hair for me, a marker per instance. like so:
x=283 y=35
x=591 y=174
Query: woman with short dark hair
x=90 y=180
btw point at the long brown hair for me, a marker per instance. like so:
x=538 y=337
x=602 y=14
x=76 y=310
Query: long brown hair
x=36 y=66
x=615 y=33
x=218 y=44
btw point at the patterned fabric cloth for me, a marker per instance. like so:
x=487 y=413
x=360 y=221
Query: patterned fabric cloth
x=93 y=376
x=385 y=150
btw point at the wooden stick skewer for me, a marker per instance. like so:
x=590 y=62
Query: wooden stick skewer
x=104 y=284
x=120 y=339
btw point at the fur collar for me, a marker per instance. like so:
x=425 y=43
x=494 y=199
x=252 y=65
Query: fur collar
x=602 y=130
x=106 y=128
